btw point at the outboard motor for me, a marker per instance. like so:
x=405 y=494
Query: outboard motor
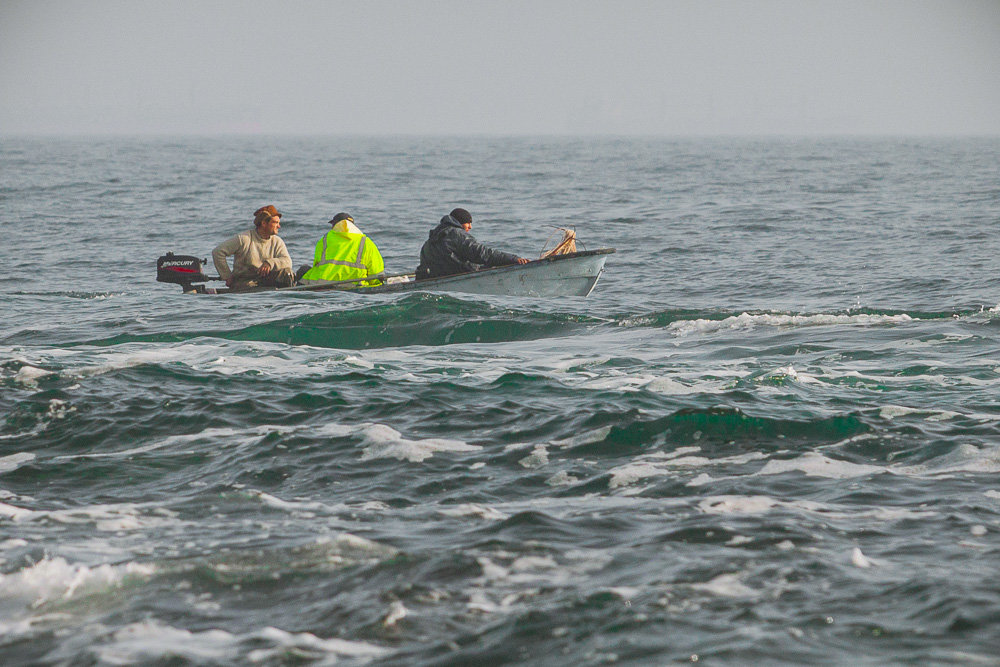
x=182 y=270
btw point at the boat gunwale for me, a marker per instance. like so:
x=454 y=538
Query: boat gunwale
x=417 y=285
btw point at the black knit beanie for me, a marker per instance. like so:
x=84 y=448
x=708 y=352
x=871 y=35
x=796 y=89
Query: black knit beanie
x=463 y=216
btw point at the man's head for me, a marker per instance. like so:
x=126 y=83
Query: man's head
x=463 y=218
x=267 y=220
x=344 y=223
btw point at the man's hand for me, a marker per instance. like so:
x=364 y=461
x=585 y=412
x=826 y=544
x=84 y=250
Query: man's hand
x=229 y=281
x=522 y=260
x=264 y=269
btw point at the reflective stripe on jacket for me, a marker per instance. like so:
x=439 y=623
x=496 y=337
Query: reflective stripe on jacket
x=341 y=256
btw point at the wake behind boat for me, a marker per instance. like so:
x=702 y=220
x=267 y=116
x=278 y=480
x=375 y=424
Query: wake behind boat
x=569 y=274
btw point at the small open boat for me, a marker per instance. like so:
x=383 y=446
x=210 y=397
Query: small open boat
x=571 y=274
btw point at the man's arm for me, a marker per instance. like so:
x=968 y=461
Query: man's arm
x=474 y=251
x=225 y=249
x=281 y=259
x=373 y=258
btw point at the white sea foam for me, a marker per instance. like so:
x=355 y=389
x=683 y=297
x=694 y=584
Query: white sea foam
x=671 y=387
x=561 y=478
x=107 y=518
x=380 y=441
x=817 y=465
x=360 y=362
x=751 y=505
x=726 y=585
x=630 y=473
x=858 y=559
x=789 y=372
x=537 y=458
x=893 y=411
x=397 y=612
x=585 y=438
x=289 y=505
x=57 y=409
x=14 y=512
x=55 y=579
x=472 y=509
x=311 y=643
x=28 y=375
x=746 y=321
x=737 y=504
x=667 y=463
x=171 y=443
x=522 y=571
x=152 y=640
x=964 y=458
x=354 y=547
x=14 y=461
x=701 y=480
x=513 y=579
x=385 y=442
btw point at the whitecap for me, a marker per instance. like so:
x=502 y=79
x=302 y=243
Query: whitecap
x=890 y=412
x=288 y=505
x=737 y=504
x=747 y=321
x=666 y=463
x=472 y=509
x=858 y=559
x=726 y=585
x=964 y=458
x=789 y=372
x=15 y=513
x=310 y=642
x=28 y=375
x=537 y=458
x=52 y=579
x=817 y=465
x=397 y=612
x=633 y=472
x=109 y=518
x=386 y=442
x=152 y=640
x=561 y=478
x=585 y=438
x=14 y=461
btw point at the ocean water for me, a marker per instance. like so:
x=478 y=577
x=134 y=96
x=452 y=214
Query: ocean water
x=770 y=436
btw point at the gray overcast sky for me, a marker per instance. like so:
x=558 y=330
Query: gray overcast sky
x=518 y=67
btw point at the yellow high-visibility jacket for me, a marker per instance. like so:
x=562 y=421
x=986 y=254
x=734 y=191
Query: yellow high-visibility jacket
x=345 y=256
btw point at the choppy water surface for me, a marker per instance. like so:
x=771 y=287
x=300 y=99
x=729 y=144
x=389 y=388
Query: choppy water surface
x=769 y=436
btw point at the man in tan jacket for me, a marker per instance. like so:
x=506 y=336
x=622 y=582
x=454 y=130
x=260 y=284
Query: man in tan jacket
x=260 y=258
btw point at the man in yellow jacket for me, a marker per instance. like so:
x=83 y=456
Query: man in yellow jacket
x=345 y=253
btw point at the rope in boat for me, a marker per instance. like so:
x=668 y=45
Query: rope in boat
x=564 y=247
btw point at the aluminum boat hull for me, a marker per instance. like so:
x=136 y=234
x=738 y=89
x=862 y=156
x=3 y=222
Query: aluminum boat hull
x=573 y=274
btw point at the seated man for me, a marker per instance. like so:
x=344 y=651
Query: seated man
x=260 y=258
x=450 y=249
x=345 y=253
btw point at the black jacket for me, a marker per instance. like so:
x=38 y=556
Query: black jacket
x=450 y=249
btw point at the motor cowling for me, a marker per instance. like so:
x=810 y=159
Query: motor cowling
x=180 y=269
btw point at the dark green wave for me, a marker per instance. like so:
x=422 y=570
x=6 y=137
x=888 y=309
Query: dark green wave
x=421 y=319
x=428 y=319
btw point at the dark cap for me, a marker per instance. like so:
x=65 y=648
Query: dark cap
x=463 y=216
x=341 y=216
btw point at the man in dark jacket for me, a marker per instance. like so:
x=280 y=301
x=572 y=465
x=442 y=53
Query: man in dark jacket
x=450 y=249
